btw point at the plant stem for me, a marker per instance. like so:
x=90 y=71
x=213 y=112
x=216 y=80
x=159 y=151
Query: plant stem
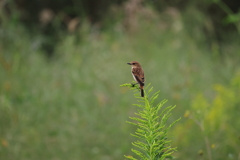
x=201 y=126
x=208 y=147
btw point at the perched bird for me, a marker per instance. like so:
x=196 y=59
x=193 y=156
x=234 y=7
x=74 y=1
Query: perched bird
x=138 y=74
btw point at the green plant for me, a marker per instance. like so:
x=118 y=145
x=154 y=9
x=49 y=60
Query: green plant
x=231 y=17
x=152 y=130
x=216 y=118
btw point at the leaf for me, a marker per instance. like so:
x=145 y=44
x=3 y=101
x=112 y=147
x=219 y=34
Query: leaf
x=152 y=131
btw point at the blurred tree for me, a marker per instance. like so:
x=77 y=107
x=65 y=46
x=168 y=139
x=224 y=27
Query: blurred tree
x=51 y=17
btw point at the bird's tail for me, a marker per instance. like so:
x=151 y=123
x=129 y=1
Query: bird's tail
x=142 y=92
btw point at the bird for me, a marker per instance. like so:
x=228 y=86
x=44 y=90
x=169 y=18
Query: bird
x=138 y=75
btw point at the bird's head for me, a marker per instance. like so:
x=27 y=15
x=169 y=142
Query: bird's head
x=134 y=64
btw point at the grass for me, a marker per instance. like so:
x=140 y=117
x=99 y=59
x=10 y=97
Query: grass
x=71 y=107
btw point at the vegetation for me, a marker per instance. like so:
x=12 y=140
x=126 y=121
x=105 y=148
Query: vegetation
x=70 y=105
x=152 y=132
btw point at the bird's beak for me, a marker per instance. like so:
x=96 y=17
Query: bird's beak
x=129 y=63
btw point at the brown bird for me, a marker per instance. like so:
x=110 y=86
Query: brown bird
x=138 y=74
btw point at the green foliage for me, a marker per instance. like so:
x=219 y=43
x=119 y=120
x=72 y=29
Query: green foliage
x=216 y=118
x=68 y=107
x=152 y=131
x=231 y=17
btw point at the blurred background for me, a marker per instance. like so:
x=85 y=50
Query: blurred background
x=62 y=61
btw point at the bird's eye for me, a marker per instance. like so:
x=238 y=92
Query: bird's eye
x=133 y=63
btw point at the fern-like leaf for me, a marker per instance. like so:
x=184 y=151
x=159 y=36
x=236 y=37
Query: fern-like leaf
x=152 y=129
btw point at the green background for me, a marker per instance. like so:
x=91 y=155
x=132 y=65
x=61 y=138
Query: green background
x=60 y=96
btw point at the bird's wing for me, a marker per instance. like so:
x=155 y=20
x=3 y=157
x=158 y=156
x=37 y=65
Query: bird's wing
x=139 y=75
